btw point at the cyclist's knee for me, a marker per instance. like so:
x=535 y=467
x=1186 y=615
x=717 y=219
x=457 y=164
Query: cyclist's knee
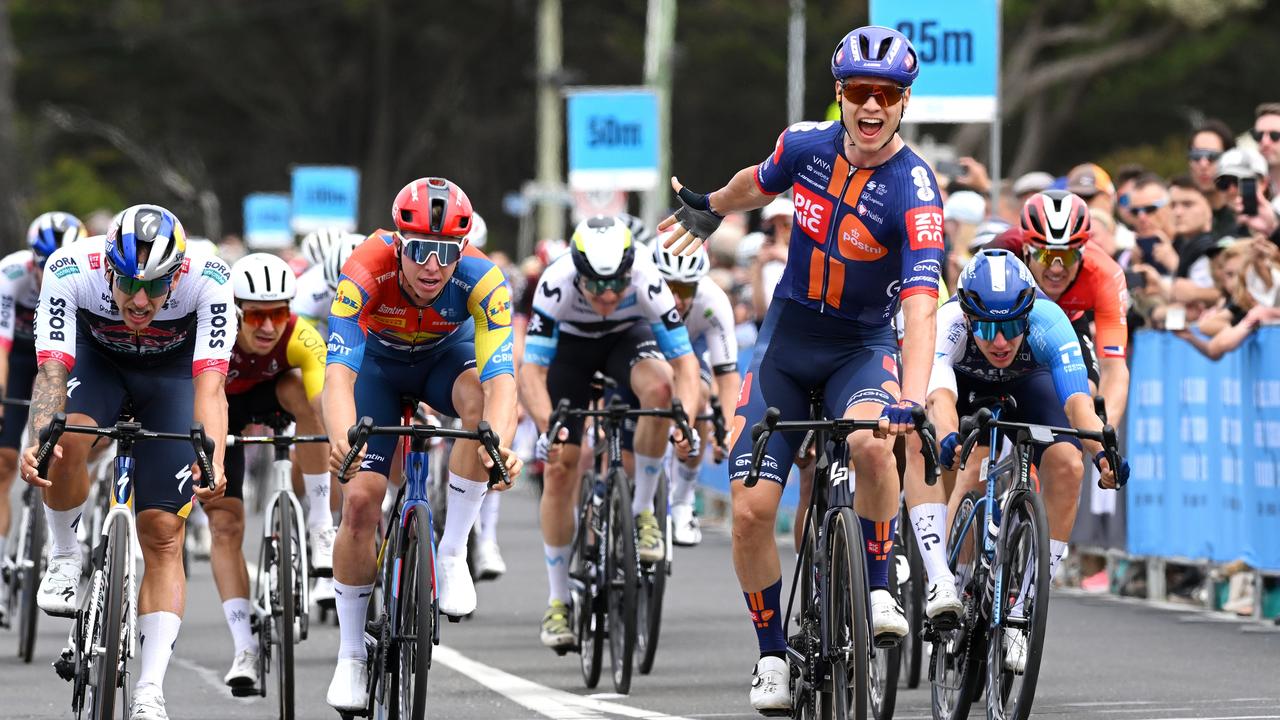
x=8 y=466
x=225 y=525
x=362 y=507
x=160 y=533
x=753 y=514
x=1063 y=467
x=866 y=446
x=656 y=394
x=558 y=478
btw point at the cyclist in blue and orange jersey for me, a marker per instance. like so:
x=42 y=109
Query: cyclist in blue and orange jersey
x=417 y=312
x=1002 y=336
x=867 y=238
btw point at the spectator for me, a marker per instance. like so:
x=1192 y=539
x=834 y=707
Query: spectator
x=1236 y=167
x=1206 y=147
x=1253 y=301
x=1092 y=183
x=1153 y=225
x=961 y=215
x=1266 y=132
x=1030 y=184
x=1103 y=231
x=1124 y=180
x=766 y=269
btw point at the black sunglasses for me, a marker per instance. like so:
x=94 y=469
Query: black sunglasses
x=1201 y=154
x=1225 y=182
x=1259 y=134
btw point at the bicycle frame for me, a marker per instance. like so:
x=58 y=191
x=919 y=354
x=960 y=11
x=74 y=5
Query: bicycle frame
x=282 y=491
x=417 y=475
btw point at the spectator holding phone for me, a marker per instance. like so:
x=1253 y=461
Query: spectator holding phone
x=1266 y=132
x=1242 y=177
x=1252 y=269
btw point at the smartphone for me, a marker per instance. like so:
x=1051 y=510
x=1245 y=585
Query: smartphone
x=950 y=168
x=1134 y=280
x=1148 y=246
x=1175 y=318
x=1249 y=196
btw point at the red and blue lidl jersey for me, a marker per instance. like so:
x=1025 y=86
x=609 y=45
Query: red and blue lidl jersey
x=862 y=238
x=370 y=312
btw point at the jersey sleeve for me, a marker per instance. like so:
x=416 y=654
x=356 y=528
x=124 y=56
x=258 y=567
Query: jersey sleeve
x=922 y=245
x=56 y=314
x=11 y=273
x=948 y=347
x=490 y=306
x=306 y=352
x=215 y=318
x=1054 y=345
x=660 y=309
x=348 y=326
x=774 y=174
x=542 y=331
x=721 y=337
x=1111 y=308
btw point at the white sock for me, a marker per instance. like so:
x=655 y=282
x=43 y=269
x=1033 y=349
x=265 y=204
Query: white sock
x=157 y=634
x=489 y=517
x=238 y=612
x=685 y=485
x=318 y=493
x=558 y=572
x=1057 y=551
x=465 y=498
x=929 y=523
x=351 y=602
x=62 y=531
x=648 y=473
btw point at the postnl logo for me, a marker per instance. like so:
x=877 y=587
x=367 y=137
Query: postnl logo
x=856 y=242
x=346 y=301
x=813 y=213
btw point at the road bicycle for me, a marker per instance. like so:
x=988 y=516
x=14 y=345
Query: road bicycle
x=615 y=596
x=839 y=670
x=105 y=634
x=406 y=623
x=281 y=590
x=23 y=564
x=998 y=548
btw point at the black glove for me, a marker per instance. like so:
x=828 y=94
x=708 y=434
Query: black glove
x=695 y=214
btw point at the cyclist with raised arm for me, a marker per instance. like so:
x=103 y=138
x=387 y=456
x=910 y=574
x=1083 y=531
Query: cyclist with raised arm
x=1000 y=337
x=605 y=308
x=20 y=276
x=708 y=318
x=867 y=238
x=418 y=312
x=129 y=318
x=277 y=366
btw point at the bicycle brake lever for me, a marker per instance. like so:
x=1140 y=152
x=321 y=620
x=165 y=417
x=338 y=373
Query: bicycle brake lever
x=203 y=446
x=357 y=435
x=760 y=433
x=48 y=440
x=971 y=426
x=928 y=445
x=489 y=439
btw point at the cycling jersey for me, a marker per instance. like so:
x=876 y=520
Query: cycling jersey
x=369 y=305
x=299 y=347
x=862 y=237
x=19 y=296
x=196 y=321
x=314 y=295
x=559 y=306
x=711 y=328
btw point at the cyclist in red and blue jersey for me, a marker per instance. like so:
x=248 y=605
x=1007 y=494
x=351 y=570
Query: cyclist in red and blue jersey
x=867 y=238
x=417 y=312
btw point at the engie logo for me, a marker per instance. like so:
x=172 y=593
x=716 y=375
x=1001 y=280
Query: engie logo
x=813 y=214
x=346 y=301
x=924 y=228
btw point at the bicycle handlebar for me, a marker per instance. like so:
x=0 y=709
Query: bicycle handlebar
x=233 y=440
x=617 y=410
x=201 y=443
x=358 y=435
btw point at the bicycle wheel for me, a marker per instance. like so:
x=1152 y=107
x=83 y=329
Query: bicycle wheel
x=28 y=575
x=885 y=663
x=284 y=603
x=956 y=666
x=620 y=574
x=415 y=627
x=911 y=595
x=586 y=576
x=1022 y=589
x=105 y=646
x=653 y=584
x=848 y=626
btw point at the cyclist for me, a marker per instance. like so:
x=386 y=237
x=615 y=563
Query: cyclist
x=604 y=307
x=277 y=365
x=401 y=323
x=708 y=318
x=1001 y=337
x=129 y=318
x=318 y=283
x=867 y=236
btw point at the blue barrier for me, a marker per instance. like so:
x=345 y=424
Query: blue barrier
x=1204 y=445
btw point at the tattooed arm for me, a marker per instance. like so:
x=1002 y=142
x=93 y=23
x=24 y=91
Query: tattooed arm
x=48 y=396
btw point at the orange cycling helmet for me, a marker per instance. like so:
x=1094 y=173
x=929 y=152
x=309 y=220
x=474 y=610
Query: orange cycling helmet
x=1056 y=218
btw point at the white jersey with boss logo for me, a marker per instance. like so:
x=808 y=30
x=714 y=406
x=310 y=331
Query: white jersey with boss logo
x=19 y=295
x=197 y=320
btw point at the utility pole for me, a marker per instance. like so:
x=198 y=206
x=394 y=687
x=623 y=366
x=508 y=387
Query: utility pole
x=550 y=121
x=660 y=36
x=795 y=63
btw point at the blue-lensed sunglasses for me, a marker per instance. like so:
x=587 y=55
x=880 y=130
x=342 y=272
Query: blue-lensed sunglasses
x=988 y=329
x=420 y=250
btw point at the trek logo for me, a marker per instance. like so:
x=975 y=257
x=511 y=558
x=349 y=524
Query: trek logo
x=924 y=228
x=813 y=213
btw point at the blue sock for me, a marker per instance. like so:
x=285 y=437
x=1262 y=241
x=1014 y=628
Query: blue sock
x=766 y=615
x=879 y=539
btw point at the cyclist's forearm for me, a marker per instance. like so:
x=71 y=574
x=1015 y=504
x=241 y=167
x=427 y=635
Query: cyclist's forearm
x=500 y=406
x=687 y=384
x=533 y=394
x=727 y=390
x=1114 y=387
x=741 y=193
x=210 y=410
x=941 y=408
x=48 y=396
x=919 y=312
x=338 y=400
x=1081 y=416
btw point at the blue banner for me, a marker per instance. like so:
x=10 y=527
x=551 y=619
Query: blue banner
x=325 y=196
x=613 y=138
x=266 y=221
x=1204 y=445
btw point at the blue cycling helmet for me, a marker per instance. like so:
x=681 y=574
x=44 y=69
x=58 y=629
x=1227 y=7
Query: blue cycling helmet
x=876 y=51
x=150 y=228
x=51 y=231
x=996 y=286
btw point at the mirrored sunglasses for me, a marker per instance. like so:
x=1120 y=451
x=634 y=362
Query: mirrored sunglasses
x=989 y=329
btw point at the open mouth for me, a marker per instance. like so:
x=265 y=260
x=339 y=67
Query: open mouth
x=1001 y=356
x=138 y=315
x=869 y=128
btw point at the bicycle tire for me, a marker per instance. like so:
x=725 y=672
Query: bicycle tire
x=848 y=624
x=653 y=585
x=587 y=571
x=885 y=663
x=621 y=578
x=414 y=655
x=912 y=598
x=958 y=654
x=1023 y=544
x=803 y=694
x=105 y=667
x=282 y=525
x=29 y=577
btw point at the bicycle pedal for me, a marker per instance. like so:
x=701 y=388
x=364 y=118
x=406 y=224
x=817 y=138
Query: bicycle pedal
x=944 y=622
x=65 y=665
x=887 y=640
x=321 y=572
x=455 y=618
x=244 y=690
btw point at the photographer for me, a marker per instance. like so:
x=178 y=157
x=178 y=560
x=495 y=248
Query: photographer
x=1242 y=178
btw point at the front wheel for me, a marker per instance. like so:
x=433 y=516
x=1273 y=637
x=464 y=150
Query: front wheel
x=955 y=670
x=620 y=576
x=653 y=584
x=848 y=624
x=587 y=577
x=911 y=593
x=284 y=602
x=105 y=644
x=28 y=574
x=415 y=627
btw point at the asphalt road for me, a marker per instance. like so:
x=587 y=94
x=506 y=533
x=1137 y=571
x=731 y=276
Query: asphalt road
x=1105 y=658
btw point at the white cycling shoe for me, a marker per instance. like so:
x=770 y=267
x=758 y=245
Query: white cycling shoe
x=243 y=675
x=349 y=689
x=488 y=561
x=1015 y=651
x=322 y=593
x=687 y=532
x=148 y=704
x=60 y=586
x=771 y=687
x=942 y=604
x=322 y=550
x=888 y=622
x=457 y=592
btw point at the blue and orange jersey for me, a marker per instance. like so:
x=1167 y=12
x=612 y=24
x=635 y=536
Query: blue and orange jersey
x=862 y=238
x=369 y=305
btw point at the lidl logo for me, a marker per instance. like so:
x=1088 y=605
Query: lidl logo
x=347 y=300
x=499 y=309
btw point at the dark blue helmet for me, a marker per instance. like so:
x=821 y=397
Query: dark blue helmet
x=876 y=51
x=51 y=231
x=996 y=286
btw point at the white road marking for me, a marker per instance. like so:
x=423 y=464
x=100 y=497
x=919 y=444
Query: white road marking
x=211 y=678
x=548 y=702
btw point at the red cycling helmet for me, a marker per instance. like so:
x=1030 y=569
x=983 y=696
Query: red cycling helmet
x=432 y=206
x=1056 y=218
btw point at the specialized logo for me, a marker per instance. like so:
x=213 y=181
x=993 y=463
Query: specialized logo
x=182 y=476
x=813 y=213
x=924 y=228
x=856 y=242
x=72 y=384
x=347 y=301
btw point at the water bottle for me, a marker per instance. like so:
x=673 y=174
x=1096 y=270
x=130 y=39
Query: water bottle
x=993 y=532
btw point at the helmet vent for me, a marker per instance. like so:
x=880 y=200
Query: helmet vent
x=437 y=214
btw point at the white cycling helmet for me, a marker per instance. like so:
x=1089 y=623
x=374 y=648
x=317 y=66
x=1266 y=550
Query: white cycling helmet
x=681 y=268
x=337 y=257
x=150 y=228
x=602 y=248
x=263 y=277
x=317 y=243
x=479 y=233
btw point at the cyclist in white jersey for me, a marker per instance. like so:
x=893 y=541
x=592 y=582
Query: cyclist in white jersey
x=318 y=283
